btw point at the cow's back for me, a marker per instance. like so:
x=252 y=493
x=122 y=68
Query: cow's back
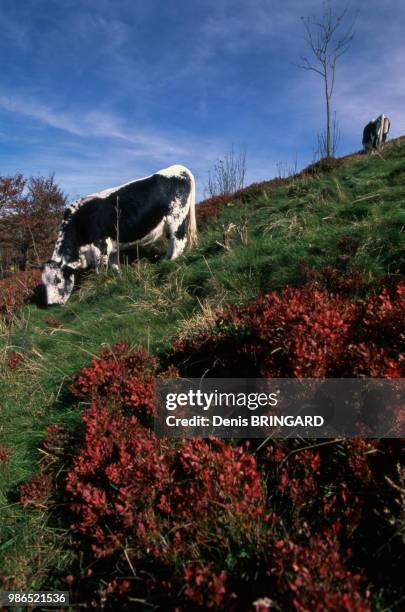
x=139 y=206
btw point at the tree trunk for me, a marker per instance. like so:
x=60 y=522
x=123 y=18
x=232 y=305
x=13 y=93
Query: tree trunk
x=328 y=138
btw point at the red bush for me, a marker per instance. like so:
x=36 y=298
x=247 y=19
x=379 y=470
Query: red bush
x=114 y=479
x=164 y=502
x=40 y=488
x=212 y=206
x=15 y=290
x=305 y=332
x=189 y=518
x=206 y=589
x=198 y=524
x=127 y=483
x=37 y=490
x=119 y=375
x=315 y=576
x=322 y=485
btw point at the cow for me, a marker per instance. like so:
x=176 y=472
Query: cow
x=138 y=212
x=375 y=133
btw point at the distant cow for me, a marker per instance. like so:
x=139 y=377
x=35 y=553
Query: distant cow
x=138 y=212
x=375 y=133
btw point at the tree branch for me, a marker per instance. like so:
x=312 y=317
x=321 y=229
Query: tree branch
x=327 y=48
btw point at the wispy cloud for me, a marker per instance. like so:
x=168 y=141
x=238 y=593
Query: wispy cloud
x=94 y=123
x=96 y=149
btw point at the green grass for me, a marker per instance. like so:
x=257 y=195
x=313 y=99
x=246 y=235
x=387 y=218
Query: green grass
x=352 y=218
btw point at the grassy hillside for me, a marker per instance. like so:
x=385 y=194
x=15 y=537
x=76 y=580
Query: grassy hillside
x=351 y=217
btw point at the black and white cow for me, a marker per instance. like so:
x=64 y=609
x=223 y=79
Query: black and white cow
x=143 y=210
x=375 y=133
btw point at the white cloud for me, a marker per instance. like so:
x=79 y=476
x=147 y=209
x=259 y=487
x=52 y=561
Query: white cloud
x=96 y=149
x=94 y=124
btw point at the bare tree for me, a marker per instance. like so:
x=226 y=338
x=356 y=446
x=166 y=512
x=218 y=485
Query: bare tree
x=327 y=45
x=228 y=174
x=322 y=148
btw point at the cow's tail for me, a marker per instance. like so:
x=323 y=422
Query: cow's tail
x=192 y=237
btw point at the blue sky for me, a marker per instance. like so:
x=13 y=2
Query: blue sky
x=103 y=91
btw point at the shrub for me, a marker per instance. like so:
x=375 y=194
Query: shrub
x=324 y=165
x=37 y=491
x=15 y=290
x=191 y=520
x=304 y=332
x=316 y=577
x=127 y=493
x=211 y=206
x=203 y=524
x=122 y=376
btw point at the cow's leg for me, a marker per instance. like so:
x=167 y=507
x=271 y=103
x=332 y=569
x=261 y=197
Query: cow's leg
x=176 y=227
x=110 y=255
x=177 y=234
x=95 y=255
x=110 y=247
x=89 y=257
x=101 y=254
x=113 y=262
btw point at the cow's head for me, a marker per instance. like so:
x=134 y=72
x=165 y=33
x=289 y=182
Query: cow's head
x=58 y=283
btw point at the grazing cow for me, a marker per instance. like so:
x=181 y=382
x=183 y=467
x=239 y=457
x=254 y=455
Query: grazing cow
x=375 y=133
x=138 y=212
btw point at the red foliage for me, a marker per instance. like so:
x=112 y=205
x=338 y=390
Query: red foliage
x=305 y=332
x=128 y=488
x=121 y=376
x=315 y=575
x=299 y=481
x=37 y=490
x=53 y=322
x=114 y=479
x=322 y=483
x=168 y=505
x=5 y=454
x=15 y=290
x=198 y=522
x=127 y=483
x=205 y=588
x=163 y=500
x=211 y=206
x=14 y=359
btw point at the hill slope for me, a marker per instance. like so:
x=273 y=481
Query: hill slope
x=350 y=218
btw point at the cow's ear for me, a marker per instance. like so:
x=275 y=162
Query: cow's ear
x=38 y=266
